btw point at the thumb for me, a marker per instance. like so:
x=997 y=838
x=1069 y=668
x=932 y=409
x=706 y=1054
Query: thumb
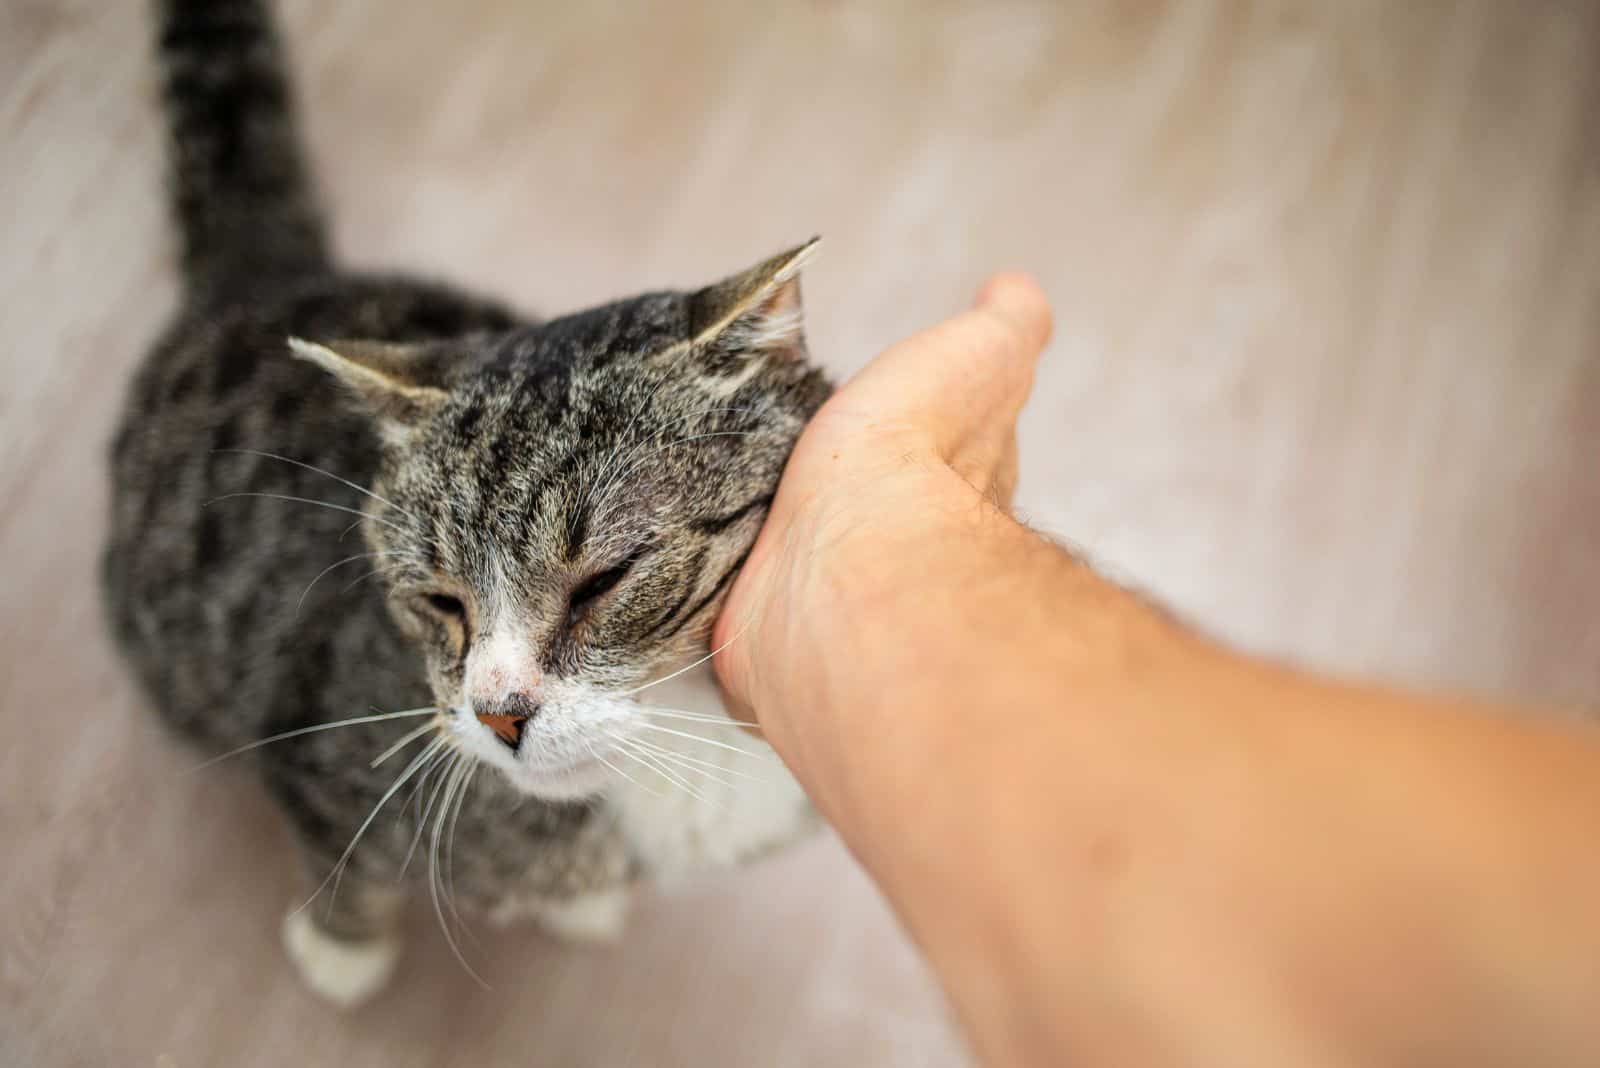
x=976 y=366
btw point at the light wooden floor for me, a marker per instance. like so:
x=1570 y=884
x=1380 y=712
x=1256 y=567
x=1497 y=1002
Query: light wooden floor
x=1327 y=377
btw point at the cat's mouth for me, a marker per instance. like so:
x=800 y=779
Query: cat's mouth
x=563 y=766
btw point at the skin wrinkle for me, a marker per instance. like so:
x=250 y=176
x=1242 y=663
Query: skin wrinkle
x=514 y=458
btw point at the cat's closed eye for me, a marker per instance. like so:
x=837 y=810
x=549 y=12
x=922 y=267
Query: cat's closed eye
x=446 y=605
x=445 y=611
x=593 y=588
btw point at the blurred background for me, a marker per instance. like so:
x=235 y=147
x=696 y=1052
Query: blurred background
x=1326 y=378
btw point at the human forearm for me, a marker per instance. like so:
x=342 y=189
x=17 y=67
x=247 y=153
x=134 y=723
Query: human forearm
x=928 y=703
x=1116 y=840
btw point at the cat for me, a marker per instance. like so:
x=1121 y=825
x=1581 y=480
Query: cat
x=552 y=513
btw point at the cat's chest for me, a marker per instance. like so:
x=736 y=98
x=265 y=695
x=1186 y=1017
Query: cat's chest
x=703 y=794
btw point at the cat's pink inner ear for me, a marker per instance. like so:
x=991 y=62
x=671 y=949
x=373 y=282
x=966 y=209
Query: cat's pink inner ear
x=756 y=310
x=775 y=323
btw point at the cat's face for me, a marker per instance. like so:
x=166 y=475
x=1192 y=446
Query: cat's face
x=565 y=507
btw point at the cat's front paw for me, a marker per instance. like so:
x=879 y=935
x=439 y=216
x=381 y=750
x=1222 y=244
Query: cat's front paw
x=346 y=974
x=596 y=917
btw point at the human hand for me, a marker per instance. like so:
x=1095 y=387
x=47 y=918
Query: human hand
x=921 y=437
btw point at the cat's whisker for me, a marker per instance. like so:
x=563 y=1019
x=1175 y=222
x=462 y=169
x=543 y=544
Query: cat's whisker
x=691 y=766
x=452 y=782
x=422 y=778
x=704 y=741
x=616 y=469
x=448 y=763
x=308 y=500
x=331 y=567
x=595 y=753
x=413 y=797
x=633 y=420
x=721 y=768
x=672 y=444
x=630 y=748
x=374 y=573
x=438 y=909
x=690 y=667
x=699 y=437
x=666 y=768
x=644 y=759
x=378 y=718
x=422 y=758
x=405 y=740
x=698 y=717
x=450 y=848
x=618 y=458
x=322 y=471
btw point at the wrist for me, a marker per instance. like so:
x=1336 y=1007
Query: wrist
x=891 y=591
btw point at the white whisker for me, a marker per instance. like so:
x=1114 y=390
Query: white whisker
x=433 y=887
x=411 y=769
x=448 y=763
x=622 y=474
x=619 y=771
x=309 y=500
x=311 y=730
x=311 y=467
x=697 y=760
x=617 y=467
x=642 y=758
x=699 y=717
x=452 y=782
x=699 y=437
x=407 y=739
x=374 y=573
x=338 y=564
x=603 y=479
x=413 y=795
x=703 y=741
x=667 y=756
x=450 y=849
x=690 y=667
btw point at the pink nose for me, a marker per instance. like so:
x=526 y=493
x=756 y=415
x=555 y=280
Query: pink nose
x=507 y=718
x=507 y=728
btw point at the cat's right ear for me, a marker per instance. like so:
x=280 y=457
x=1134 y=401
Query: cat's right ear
x=401 y=384
x=748 y=319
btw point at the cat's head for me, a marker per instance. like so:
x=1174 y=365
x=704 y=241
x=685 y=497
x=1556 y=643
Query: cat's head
x=565 y=506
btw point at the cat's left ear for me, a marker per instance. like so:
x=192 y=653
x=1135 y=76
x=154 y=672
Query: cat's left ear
x=401 y=384
x=750 y=318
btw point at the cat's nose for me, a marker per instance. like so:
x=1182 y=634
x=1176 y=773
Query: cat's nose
x=507 y=717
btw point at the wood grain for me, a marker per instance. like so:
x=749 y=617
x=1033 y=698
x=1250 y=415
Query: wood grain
x=1326 y=378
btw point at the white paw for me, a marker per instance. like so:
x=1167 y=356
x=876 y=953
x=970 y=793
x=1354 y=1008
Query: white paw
x=343 y=973
x=594 y=917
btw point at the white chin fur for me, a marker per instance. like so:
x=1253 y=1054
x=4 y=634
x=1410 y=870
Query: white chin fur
x=689 y=794
x=574 y=784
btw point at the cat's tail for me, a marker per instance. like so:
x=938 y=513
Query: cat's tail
x=240 y=189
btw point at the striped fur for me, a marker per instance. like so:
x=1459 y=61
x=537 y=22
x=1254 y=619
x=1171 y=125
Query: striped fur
x=438 y=489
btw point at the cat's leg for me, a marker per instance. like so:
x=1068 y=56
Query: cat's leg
x=597 y=916
x=345 y=945
x=593 y=916
x=342 y=932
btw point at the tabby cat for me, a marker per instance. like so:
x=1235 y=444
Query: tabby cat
x=336 y=493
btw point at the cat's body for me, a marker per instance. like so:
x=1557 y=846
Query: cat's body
x=524 y=524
